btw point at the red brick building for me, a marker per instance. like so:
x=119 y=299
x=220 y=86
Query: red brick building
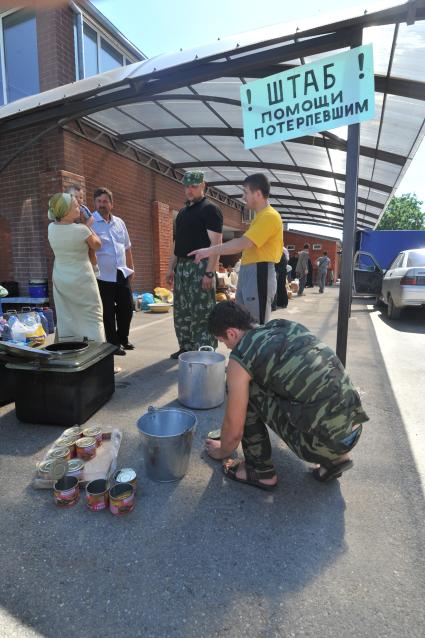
x=145 y=197
x=295 y=240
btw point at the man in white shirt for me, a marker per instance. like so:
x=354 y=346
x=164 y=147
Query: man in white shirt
x=115 y=262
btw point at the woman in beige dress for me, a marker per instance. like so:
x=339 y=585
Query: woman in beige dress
x=75 y=290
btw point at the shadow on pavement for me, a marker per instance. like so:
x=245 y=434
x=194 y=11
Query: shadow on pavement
x=412 y=320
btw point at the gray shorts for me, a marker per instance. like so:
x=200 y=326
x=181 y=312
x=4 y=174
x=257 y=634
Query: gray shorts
x=256 y=289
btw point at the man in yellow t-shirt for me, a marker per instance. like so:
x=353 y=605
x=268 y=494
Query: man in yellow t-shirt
x=261 y=246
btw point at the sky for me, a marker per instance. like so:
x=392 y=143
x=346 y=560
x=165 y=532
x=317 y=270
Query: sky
x=166 y=26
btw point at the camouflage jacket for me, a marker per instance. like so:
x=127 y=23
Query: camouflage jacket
x=308 y=381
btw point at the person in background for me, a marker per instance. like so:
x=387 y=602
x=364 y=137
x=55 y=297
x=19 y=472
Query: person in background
x=293 y=263
x=323 y=264
x=198 y=224
x=116 y=267
x=75 y=292
x=309 y=281
x=261 y=246
x=282 y=377
x=301 y=269
x=281 y=297
x=85 y=214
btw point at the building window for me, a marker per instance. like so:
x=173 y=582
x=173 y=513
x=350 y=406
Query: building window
x=99 y=53
x=317 y=246
x=91 y=62
x=110 y=58
x=291 y=247
x=19 y=57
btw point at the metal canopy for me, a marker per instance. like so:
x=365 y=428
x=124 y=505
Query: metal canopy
x=184 y=110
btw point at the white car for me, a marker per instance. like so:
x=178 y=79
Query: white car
x=402 y=285
x=404 y=282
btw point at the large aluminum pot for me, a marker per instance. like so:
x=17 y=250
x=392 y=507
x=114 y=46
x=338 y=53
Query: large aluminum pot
x=201 y=379
x=167 y=436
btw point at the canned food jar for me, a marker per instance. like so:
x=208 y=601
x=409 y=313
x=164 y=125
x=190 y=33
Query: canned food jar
x=97 y=495
x=69 y=442
x=126 y=475
x=44 y=469
x=94 y=432
x=74 y=431
x=86 y=448
x=59 y=452
x=121 y=499
x=66 y=491
x=76 y=468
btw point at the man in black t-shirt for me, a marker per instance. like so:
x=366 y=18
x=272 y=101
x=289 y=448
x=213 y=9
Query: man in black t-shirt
x=198 y=225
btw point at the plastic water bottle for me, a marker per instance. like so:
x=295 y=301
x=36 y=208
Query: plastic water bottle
x=43 y=319
x=48 y=313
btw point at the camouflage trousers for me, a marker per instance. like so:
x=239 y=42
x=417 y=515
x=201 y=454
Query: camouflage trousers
x=265 y=409
x=192 y=305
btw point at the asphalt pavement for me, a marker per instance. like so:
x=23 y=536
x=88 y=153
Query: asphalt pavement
x=207 y=557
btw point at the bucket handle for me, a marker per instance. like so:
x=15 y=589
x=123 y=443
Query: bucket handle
x=206 y=348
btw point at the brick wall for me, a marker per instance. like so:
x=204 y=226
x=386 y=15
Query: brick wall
x=22 y=203
x=6 y=250
x=331 y=246
x=55 y=39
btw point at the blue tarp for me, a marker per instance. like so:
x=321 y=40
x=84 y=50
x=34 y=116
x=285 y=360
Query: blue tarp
x=384 y=245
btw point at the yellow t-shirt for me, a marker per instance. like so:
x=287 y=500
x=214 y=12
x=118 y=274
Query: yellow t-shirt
x=266 y=232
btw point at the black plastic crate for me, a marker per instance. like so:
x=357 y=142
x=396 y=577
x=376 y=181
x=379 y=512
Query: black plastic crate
x=65 y=391
x=7 y=383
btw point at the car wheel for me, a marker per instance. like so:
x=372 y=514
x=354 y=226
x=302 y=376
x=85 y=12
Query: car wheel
x=392 y=311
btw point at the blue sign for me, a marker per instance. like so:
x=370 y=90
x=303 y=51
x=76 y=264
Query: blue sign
x=333 y=92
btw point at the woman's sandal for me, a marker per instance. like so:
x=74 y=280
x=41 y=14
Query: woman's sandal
x=333 y=471
x=251 y=476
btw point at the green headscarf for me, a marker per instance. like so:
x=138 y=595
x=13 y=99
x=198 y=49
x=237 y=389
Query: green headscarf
x=59 y=206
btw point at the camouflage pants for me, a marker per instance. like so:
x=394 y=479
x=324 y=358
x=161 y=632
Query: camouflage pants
x=265 y=409
x=192 y=305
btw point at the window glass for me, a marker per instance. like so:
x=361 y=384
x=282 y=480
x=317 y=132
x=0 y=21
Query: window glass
x=396 y=261
x=366 y=263
x=110 y=58
x=21 y=57
x=416 y=259
x=90 y=51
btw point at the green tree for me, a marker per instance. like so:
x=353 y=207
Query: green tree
x=403 y=213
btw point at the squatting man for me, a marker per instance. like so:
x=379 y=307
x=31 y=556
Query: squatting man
x=281 y=376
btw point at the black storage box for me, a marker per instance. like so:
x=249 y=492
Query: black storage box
x=7 y=382
x=65 y=388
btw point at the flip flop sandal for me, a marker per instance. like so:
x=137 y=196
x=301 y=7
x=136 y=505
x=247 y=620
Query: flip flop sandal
x=332 y=471
x=251 y=477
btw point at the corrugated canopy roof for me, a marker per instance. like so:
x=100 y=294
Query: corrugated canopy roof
x=184 y=109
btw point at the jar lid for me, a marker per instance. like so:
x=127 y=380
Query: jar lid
x=86 y=441
x=75 y=464
x=58 y=469
x=125 y=475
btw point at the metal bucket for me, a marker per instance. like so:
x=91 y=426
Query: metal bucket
x=201 y=379
x=167 y=441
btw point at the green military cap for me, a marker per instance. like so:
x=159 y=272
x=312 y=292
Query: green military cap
x=193 y=178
